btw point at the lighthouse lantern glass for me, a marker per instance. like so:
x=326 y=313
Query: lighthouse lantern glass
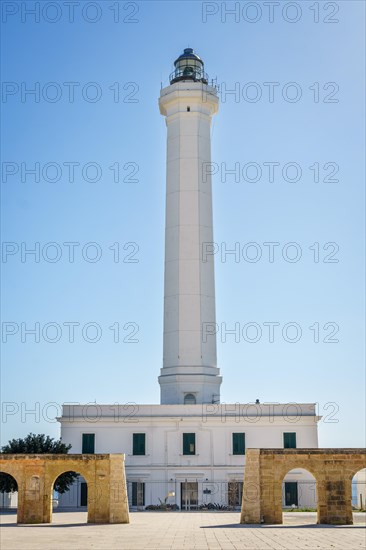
x=188 y=66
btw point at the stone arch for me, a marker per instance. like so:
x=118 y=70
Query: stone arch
x=8 y=472
x=333 y=470
x=296 y=465
x=354 y=468
x=79 y=471
x=271 y=489
x=358 y=489
x=305 y=493
x=74 y=488
x=95 y=491
x=36 y=474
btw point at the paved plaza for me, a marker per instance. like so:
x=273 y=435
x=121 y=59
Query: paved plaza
x=182 y=531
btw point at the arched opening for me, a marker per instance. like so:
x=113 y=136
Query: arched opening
x=189 y=399
x=8 y=494
x=69 y=494
x=299 y=497
x=358 y=492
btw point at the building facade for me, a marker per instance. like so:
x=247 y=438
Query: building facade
x=191 y=455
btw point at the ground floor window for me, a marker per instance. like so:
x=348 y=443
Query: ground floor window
x=138 y=493
x=235 y=493
x=291 y=493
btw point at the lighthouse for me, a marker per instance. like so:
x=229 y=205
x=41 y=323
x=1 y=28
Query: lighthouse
x=190 y=442
x=189 y=374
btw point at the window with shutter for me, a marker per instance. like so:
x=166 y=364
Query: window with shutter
x=88 y=444
x=238 y=443
x=289 y=440
x=189 y=444
x=138 y=444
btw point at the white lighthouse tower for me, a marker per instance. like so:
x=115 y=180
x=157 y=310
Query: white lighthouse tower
x=189 y=374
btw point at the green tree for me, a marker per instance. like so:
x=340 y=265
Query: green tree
x=37 y=444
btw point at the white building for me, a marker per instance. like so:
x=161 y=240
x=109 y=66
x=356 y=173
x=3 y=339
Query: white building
x=190 y=449
x=196 y=452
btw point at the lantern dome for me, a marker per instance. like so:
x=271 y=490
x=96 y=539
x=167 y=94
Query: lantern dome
x=188 y=66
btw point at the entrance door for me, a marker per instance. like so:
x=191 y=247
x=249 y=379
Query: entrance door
x=291 y=496
x=83 y=494
x=189 y=495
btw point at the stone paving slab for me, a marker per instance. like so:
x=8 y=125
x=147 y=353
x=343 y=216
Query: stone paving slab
x=181 y=531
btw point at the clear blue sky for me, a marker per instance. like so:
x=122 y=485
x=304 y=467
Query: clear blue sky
x=314 y=129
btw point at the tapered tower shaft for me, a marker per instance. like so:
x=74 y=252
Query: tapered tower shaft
x=189 y=372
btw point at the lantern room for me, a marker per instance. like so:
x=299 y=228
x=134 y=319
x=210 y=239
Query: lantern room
x=188 y=66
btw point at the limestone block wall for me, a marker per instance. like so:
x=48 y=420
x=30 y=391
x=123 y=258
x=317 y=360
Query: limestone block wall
x=36 y=475
x=333 y=470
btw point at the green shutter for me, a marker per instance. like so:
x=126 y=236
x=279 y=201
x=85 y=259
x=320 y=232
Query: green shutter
x=189 y=444
x=138 y=444
x=88 y=445
x=238 y=443
x=289 y=440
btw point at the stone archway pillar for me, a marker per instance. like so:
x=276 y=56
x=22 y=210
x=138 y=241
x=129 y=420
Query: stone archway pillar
x=335 y=498
x=34 y=501
x=251 y=499
x=107 y=494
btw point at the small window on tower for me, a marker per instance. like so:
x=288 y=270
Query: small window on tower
x=189 y=399
x=188 y=109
